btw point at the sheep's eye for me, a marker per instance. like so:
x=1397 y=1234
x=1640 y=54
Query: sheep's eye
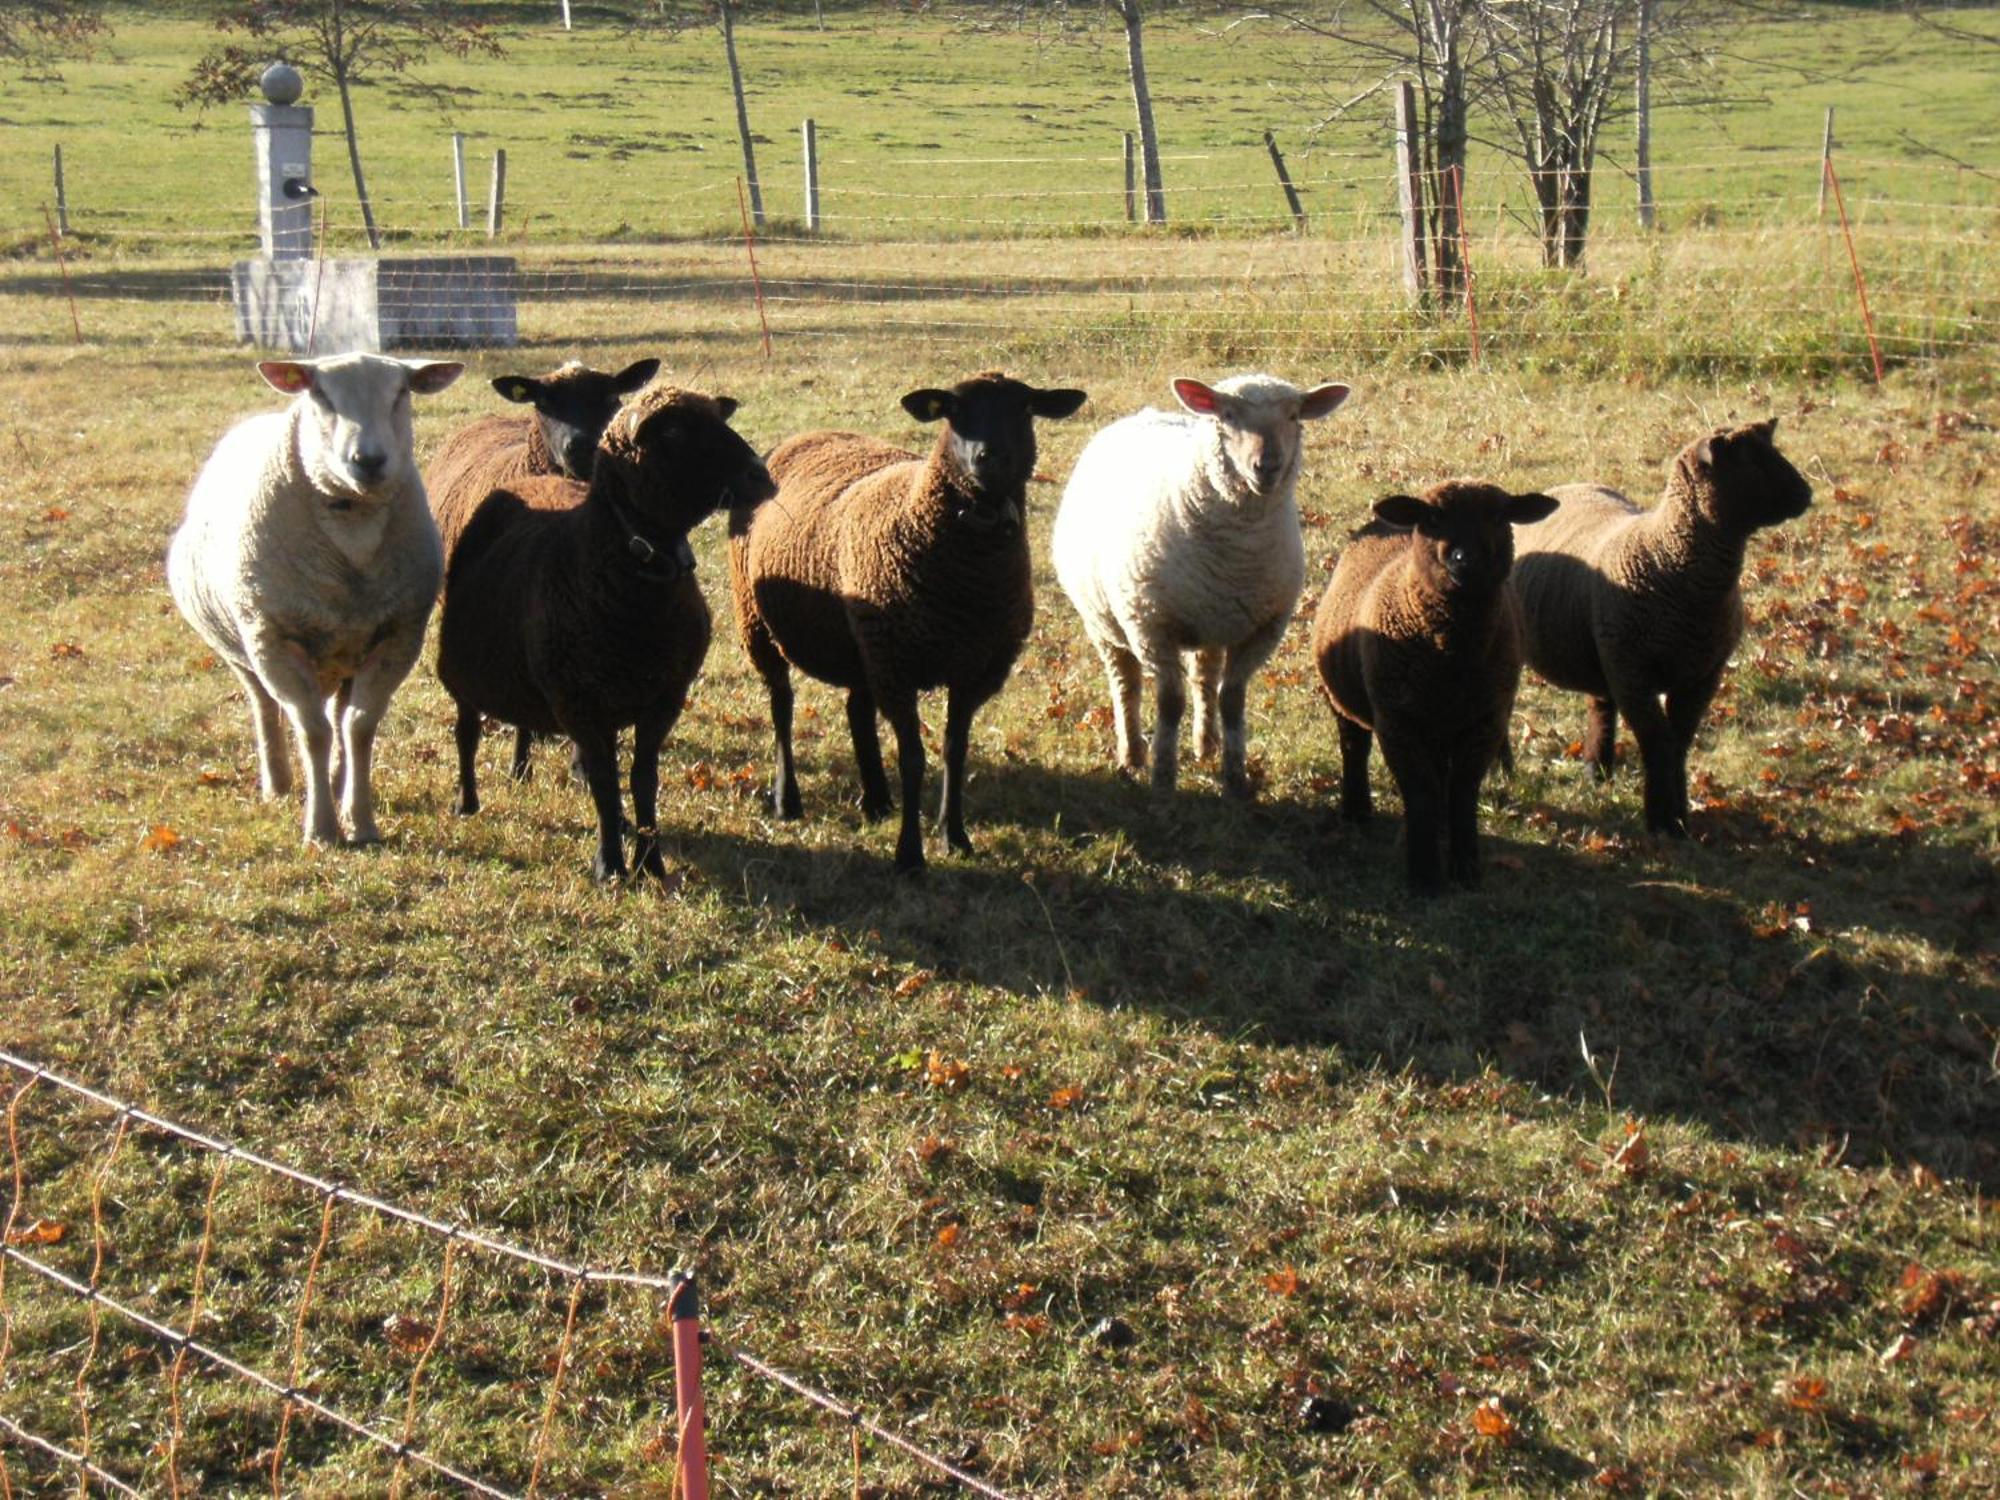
x=320 y=398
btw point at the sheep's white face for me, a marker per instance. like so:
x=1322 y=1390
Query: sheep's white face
x=1261 y=424
x=355 y=438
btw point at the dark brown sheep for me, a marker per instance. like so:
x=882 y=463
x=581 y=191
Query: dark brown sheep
x=1638 y=606
x=572 y=405
x=573 y=609
x=887 y=573
x=1418 y=644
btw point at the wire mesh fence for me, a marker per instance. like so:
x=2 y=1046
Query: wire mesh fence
x=291 y=1334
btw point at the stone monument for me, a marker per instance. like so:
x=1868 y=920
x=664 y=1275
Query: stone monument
x=289 y=300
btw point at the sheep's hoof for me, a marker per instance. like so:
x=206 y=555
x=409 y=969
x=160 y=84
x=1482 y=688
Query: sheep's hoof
x=1238 y=789
x=364 y=838
x=607 y=870
x=910 y=862
x=1603 y=769
x=650 y=861
x=1357 y=812
x=465 y=804
x=959 y=842
x=874 y=811
x=786 y=807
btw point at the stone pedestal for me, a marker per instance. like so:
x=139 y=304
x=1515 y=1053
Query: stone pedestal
x=372 y=305
x=282 y=137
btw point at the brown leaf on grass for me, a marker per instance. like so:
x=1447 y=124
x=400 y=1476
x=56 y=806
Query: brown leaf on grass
x=65 y=651
x=1067 y=1097
x=1034 y=1325
x=1804 y=1393
x=55 y=513
x=160 y=840
x=1195 y=1419
x=948 y=1074
x=1283 y=1282
x=1898 y=1349
x=949 y=1236
x=1020 y=1297
x=41 y=1232
x=1491 y=1420
x=933 y=1148
x=212 y=778
x=1632 y=1155
x=914 y=984
x=406 y=1333
x=1928 y=1295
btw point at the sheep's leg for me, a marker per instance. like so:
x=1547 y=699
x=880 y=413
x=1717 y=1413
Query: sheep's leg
x=363 y=699
x=342 y=696
x=1663 y=757
x=960 y=707
x=466 y=732
x=1600 y=737
x=647 y=737
x=785 y=777
x=267 y=721
x=875 y=799
x=1240 y=665
x=1418 y=778
x=1686 y=707
x=1357 y=803
x=524 y=745
x=315 y=737
x=1128 y=680
x=1169 y=708
x=599 y=750
x=1208 y=718
x=900 y=709
x=1467 y=771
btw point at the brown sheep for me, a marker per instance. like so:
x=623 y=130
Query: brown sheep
x=573 y=609
x=1418 y=644
x=572 y=405
x=1635 y=606
x=887 y=573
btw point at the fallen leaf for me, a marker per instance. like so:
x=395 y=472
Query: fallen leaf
x=1805 y=1393
x=41 y=1232
x=160 y=840
x=406 y=1334
x=1066 y=1097
x=950 y=1074
x=1284 y=1282
x=948 y=1236
x=914 y=984
x=1900 y=1348
x=1490 y=1420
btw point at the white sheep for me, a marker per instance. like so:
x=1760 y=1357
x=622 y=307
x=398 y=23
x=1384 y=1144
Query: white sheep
x=1179 y=533
x=309 y=562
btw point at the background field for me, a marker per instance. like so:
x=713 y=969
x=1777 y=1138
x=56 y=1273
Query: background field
x=1334 y=1160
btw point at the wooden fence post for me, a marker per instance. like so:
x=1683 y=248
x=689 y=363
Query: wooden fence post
x=62 y=199
x=1131 y=183
x=497 y=199
x=1410 y=194
x=812 y=177
x=1825 y=160
x=458 y=178
x=1642 y=104
x=1285 y=182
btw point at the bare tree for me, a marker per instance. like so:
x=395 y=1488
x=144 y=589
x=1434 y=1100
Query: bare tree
x=726 y=17
x=1142 y=101
x=33 y=33
x=343 y=42
x=1372 y=44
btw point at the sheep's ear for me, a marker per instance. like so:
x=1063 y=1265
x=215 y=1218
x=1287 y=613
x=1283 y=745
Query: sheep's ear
x=429 y=376
x=1322 y=401
x=1525 y=510
x=1704 y=452
x=1766 y=428
x=1405 y=511
x=1056 y=403
x=517 y=388
x=929 y=405
x=726 y=405
x=286 y=375
x=1202 y=400
x=634 y=376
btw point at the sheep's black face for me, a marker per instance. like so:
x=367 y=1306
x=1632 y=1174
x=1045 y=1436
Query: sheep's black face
x=990 y=438
x=1750 y=484
x=1463 y=534
x=574 y=405
x=692 y=463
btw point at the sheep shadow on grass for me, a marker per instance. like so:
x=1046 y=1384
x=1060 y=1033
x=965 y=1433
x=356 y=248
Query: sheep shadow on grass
x=1673 y=961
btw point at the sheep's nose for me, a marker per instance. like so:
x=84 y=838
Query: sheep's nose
x=754 y=487
x=370 y=463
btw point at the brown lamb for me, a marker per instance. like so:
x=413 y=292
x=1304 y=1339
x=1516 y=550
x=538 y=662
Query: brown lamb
x=887 y=573
x=1419 y=645
x=573 y=609
x=571 y=407
x=1638 y=606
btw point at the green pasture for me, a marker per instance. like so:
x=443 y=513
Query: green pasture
x=957 y=124
x=1158 y=1148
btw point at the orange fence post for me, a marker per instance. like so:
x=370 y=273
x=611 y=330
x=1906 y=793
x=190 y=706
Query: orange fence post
x=684 y=1311
x=1860 y=286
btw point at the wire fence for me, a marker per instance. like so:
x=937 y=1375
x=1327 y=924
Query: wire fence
x=1752 y=277
x=66 y=1406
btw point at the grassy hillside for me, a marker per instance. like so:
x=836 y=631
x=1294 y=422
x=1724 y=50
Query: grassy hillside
x=1157 y=1148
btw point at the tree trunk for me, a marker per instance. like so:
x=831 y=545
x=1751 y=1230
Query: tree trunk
x=1142 y=99
x=338 y=58
x=1449 y=130
x=728 y=12
x=1643 y=107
